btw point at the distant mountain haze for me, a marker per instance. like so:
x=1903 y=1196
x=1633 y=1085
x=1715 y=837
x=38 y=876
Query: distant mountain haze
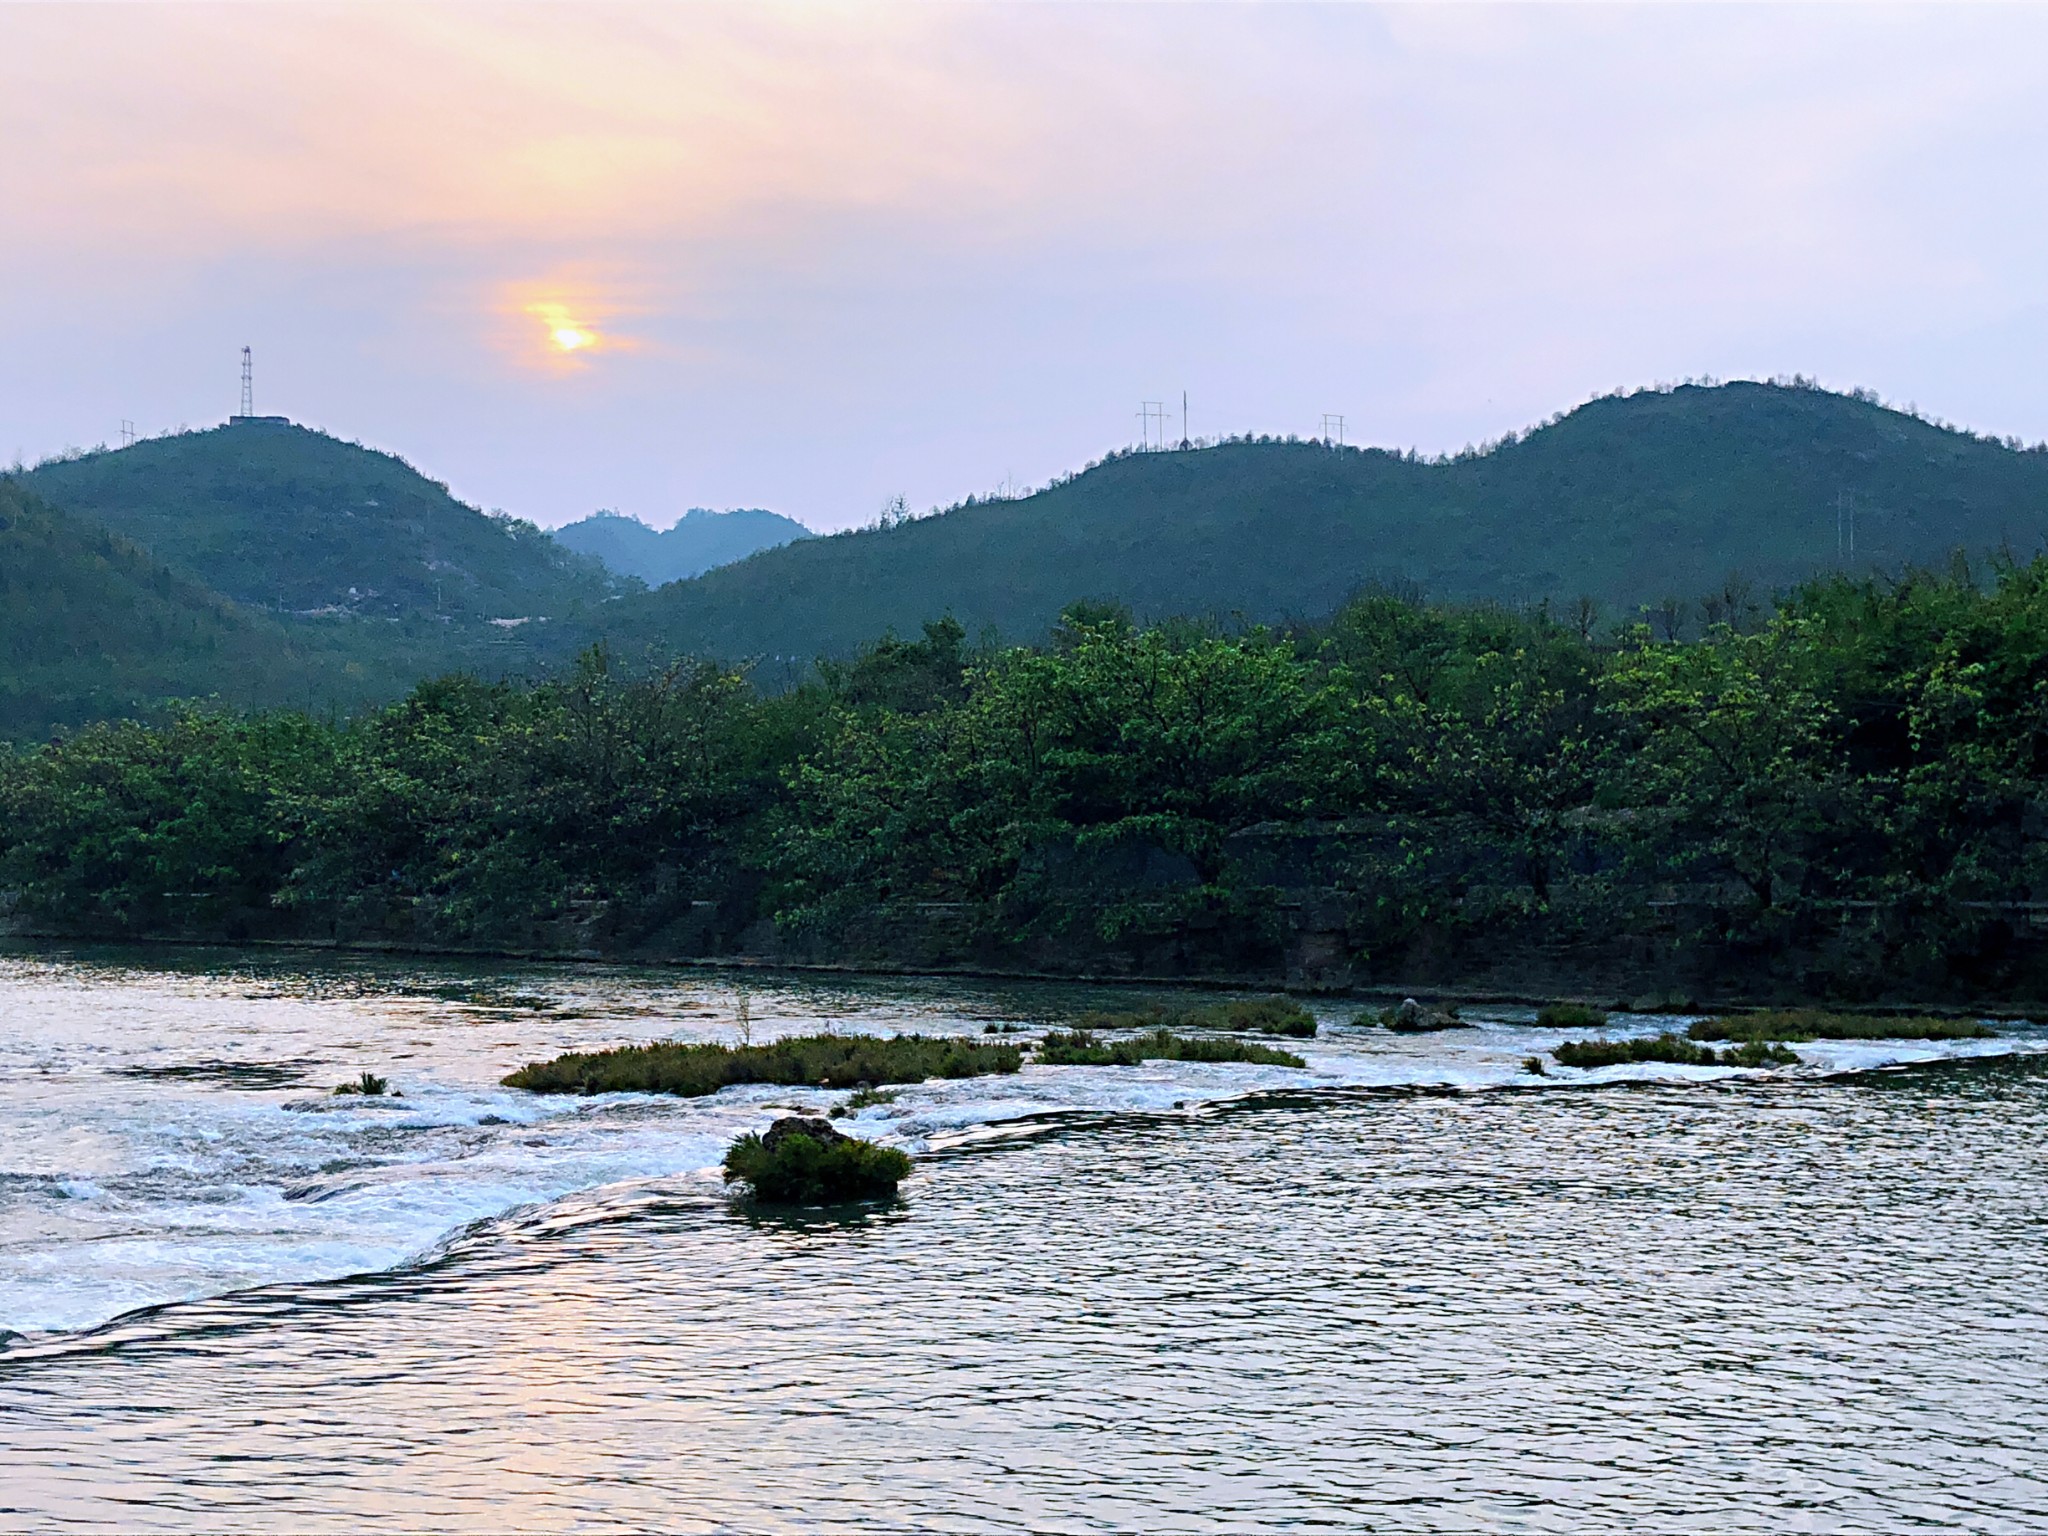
x=700 y=541
x=1628 y=500
x=281 y=517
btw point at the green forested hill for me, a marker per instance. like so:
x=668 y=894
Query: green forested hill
x=288 y=519
x=91 y=629
x=1628 y=500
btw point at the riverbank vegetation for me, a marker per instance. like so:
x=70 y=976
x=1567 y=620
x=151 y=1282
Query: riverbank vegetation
x=1837 y=795
x=821 y=1061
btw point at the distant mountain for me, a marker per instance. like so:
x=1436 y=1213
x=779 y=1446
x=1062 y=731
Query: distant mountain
x=1627 y=500
x=700 y=541
x=105 y=607
x=91 y=628
x=280 y=517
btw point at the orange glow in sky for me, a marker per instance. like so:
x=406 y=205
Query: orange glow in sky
x=568 y=332
x=565 y=333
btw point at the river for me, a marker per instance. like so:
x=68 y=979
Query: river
x=1411 y=1288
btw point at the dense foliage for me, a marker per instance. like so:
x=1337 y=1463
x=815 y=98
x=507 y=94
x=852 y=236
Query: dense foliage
x=1853 y=782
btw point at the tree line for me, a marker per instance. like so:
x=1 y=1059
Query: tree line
x=1868 y=755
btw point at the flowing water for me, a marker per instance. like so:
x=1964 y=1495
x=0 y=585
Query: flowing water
x=1410 y=1288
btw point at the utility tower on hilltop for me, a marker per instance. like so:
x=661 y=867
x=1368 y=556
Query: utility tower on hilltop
x=248 y=416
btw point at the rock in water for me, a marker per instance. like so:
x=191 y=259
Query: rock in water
x=1411 y=1018
x=823 y=1132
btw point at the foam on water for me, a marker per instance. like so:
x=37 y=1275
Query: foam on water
x=166 y=1132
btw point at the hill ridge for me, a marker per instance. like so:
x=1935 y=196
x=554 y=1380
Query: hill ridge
x=295 y=520
x=1629 y=499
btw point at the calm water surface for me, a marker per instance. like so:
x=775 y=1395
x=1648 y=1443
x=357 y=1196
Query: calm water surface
x=1408 y=1289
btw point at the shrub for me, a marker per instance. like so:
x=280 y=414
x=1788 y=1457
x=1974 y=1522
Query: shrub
x=1674 y=1049
x=1256 y=1015
x=826 y=1061
x=1818 y=1024
x=806 y=1162
x=1082 y=1049
x=369 y=1084
x=1571 y=1016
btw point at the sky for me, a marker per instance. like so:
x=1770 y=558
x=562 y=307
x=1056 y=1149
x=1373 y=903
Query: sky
x=647 y=257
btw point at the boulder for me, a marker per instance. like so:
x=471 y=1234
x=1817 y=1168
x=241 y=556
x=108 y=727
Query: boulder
x=823 y=1132
x=1412 y=1018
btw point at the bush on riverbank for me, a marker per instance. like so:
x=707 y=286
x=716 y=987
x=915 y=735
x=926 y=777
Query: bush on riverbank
x=1673 y=1050
x=824 y=1061
x=1253 y=1015
x=1818 y=1024
x=803 y=1161
x=1080 y=1048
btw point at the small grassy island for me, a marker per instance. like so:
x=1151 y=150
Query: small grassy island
x=1081 y=1048
x=1816 y=1024
x=802 y=1161
x=1759 y=1039
x=1673 y=1049
x=821 y=1061
x=1258 y=1016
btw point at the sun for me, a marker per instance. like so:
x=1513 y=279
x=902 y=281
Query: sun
x=564 y=323
x=566 y=333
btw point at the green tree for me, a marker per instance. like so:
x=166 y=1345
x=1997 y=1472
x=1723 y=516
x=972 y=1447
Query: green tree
x=1736 y=747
